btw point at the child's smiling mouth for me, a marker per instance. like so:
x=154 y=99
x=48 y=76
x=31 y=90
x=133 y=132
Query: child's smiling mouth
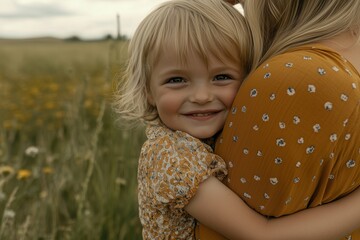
x=202 y=115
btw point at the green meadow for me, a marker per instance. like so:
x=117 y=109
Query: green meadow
x=67 y=167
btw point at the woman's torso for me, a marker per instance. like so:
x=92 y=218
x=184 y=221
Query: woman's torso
x=292 y=140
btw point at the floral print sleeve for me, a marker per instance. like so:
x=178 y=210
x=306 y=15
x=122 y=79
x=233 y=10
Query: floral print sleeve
x=172 y=164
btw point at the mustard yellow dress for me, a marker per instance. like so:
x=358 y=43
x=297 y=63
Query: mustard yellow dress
x=292 y=140
x=172 y=164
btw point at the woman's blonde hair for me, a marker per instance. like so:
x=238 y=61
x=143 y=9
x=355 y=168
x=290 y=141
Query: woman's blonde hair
x=278 y=25
x=204 y=26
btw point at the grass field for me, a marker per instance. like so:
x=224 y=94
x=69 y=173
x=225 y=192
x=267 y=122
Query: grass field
x=67 y=170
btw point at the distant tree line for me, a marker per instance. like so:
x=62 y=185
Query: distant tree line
x=106 y=37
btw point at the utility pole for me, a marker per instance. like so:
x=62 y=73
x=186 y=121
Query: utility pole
x=118 y=27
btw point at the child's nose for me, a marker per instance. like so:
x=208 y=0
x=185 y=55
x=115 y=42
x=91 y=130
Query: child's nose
x=202 y=94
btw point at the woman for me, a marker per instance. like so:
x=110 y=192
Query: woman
x=292 y=140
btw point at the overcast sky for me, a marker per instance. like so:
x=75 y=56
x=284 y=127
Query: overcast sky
x=65 y=18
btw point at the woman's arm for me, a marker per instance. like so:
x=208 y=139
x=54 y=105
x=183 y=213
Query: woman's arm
x=217 y=207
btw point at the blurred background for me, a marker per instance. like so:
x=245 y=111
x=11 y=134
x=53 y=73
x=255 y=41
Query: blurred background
x=85 y=19
x=67 y=167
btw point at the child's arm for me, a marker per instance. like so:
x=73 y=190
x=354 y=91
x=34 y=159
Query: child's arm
x=217 y=207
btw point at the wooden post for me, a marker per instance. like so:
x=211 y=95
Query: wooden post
x=118 y=27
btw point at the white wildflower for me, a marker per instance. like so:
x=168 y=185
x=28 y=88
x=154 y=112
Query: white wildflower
x=32 y=151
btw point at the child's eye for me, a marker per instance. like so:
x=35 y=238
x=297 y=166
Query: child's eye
x=222 y=77
x=176 y=80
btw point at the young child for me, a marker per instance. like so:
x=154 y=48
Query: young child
x=187 y=61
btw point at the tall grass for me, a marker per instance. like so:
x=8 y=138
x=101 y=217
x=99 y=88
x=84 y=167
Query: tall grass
x=67 y=171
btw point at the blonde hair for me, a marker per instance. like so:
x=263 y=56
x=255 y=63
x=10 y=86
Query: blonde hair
x=205 y=26
x=278 y=25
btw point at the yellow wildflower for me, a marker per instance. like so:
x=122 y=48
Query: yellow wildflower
x=59 y=114
x=7 y=124
x=6 y=170
x=50 y=105
x=48 y=170
x=34 y=91
x=20 y=116
x=23 y=174
x=88 y=103
x=54 y=87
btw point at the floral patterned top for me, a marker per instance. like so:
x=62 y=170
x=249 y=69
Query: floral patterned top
x=172 y=164
x=292 y=140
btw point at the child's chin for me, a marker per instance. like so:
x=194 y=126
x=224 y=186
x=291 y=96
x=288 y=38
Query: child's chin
x=202 y=135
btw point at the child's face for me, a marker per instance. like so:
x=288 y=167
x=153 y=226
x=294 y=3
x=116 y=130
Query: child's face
x=194 y=97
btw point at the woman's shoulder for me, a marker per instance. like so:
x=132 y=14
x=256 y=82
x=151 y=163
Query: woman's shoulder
x=314 y=55
x=307 y=54
x=313 y=60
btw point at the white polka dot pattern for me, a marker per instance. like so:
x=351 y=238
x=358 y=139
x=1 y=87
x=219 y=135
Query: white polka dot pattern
x=297 y=134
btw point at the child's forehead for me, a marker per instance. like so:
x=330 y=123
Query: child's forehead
x=184 y=51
